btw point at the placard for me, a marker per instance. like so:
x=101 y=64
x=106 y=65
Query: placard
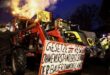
x=44 y=16
x=60 y=57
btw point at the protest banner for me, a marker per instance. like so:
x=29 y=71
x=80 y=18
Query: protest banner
x=60 y=57
x=44 y=16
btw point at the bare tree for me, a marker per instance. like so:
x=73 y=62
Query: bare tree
x=85 y=15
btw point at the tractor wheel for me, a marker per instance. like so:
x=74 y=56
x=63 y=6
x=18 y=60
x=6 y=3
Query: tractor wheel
x=18 y=62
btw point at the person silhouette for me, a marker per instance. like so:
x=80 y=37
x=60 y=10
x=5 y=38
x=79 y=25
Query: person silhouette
x=5 y=45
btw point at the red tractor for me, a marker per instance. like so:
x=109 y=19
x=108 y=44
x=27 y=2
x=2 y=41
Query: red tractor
x=32 y=41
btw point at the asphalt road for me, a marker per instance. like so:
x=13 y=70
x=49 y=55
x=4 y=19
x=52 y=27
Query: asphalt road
x=92 y=67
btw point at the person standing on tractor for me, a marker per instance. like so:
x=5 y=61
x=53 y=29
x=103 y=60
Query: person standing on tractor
x=5 y=46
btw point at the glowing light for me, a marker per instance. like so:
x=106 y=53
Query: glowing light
x=30 y=7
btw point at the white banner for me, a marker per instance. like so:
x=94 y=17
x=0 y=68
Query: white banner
x=60 y=57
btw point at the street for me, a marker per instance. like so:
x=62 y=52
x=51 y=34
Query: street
x=93 y=67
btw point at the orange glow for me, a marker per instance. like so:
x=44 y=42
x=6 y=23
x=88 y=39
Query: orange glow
x=30 y=8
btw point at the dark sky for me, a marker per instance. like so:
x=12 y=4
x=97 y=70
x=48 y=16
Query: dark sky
x=105 y=15
x=66 y=8
x=63 y=8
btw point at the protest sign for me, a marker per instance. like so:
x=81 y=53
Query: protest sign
x=60 y=57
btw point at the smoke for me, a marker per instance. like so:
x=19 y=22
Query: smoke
x=28 y=8
x=4 y=3
x=52 y=5
x=53 y=1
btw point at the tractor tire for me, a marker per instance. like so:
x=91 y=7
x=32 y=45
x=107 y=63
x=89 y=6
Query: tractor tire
x=18 y=62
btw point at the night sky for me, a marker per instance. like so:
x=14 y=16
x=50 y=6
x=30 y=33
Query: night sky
x=63 y=9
